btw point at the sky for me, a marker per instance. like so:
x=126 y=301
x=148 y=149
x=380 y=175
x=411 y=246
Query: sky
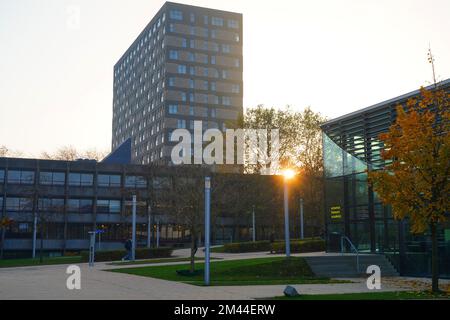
x=337 y=56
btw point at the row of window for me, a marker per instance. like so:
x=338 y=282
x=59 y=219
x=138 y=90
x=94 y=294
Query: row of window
x=56 y=205
x=75 y=179
x=215 y=21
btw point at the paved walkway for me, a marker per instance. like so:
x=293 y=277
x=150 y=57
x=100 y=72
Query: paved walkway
x=49 y=282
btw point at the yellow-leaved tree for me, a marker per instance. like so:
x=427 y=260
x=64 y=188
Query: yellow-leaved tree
x=415 y=180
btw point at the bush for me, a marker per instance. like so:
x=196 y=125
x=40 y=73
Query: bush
x=240 y=247
x=300 y=246
x=142 y=253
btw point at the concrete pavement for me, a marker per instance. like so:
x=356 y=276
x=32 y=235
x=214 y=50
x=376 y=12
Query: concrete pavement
x=49 y=282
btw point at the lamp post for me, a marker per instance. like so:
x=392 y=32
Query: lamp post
x=288 y=174
x=301 y=219
x=253 y=221
x=207 y=226
x=133 y=240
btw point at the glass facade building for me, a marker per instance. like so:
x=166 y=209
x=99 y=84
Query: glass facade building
x=351 y=147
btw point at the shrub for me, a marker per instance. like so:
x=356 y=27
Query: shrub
x=239 y=247
x=300 y=246
x=141 y=253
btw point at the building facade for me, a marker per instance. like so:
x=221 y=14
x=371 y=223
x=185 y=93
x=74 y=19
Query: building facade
x=185 y=65
x=351 y=147
x=68 y=199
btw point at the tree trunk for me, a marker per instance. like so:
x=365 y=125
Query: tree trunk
x=434 y=260
x=41 y=258
x=193 y=245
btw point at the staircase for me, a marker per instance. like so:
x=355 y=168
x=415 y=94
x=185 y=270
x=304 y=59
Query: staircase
x=344 y=266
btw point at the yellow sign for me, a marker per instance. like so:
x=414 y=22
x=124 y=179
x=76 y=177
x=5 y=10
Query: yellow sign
x=336 y=212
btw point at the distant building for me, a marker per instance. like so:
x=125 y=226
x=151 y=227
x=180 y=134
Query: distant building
x=185 y=65
x=351 y=146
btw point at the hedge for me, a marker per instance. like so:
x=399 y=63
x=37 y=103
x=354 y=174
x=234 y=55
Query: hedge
x=141 y=253
x=300 y=246
x=239 y=247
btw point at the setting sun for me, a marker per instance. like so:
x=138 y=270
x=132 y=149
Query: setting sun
x=288 y=174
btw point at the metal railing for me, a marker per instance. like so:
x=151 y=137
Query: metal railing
x=352 y=247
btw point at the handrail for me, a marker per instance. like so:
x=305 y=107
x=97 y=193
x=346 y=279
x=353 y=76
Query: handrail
x=352 y=246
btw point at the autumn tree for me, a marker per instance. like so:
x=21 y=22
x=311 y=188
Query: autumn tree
x=415 y=180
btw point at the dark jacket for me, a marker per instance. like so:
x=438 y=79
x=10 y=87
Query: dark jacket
x=128 y=244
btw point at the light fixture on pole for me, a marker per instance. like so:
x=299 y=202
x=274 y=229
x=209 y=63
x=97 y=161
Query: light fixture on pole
x=301 y=219
x=253 y=222
x=207 y=226
x=288 y=174
x=133 y=235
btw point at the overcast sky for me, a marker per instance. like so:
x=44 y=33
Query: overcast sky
x=336 y=56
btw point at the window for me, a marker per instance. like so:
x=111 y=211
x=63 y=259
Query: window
x=213 y=113
x=173 y=109
x=79 y=205
x=237 y=63
x=235 y=88
x=176 y=15
x=20 y=177
x=108 y=206
x=192 y=17
x=224 y=74
x=182 y=69
x=18 y=204
x=213 y=59
x=52 y=178
x=135 y=182
x=184 y=43
x=234 y=24
x=226 y=101
x=2 y=176
x=51 y=205
x=213 y=86
x=217 y=21
x=181 y=124
x=171 y=82
x=205 y=20
x=108 y=180
x=183 y=97
x=171 y=28
x=191 y=111
x=213 y=34
x=173 y=54
x=81 y=179
x=226 y=48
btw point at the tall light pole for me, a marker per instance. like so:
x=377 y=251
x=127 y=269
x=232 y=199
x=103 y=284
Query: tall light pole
x=149 y=227
x=207 y=226
x=288 y=174
x=301 y=219
x=253 y=228
x=133 y=239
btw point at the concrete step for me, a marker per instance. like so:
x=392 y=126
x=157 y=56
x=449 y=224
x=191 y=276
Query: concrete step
x=345 y=265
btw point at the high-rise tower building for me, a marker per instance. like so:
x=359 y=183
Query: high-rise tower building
x=185 y=65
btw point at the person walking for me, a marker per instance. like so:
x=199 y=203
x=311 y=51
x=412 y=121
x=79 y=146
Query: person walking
x=128 y=246
x=272 y=241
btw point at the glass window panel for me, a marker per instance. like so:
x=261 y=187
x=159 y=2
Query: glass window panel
x=74 y=179
x=13 y=176
x=45 y=178
x=87 y=179
x=103 y=180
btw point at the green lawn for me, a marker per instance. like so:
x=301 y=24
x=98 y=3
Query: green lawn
x=8 y=263
x=162 y=260
x=275 y=270
x=394 y=295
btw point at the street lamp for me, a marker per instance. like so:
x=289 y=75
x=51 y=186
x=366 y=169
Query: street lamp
x=288 y=174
